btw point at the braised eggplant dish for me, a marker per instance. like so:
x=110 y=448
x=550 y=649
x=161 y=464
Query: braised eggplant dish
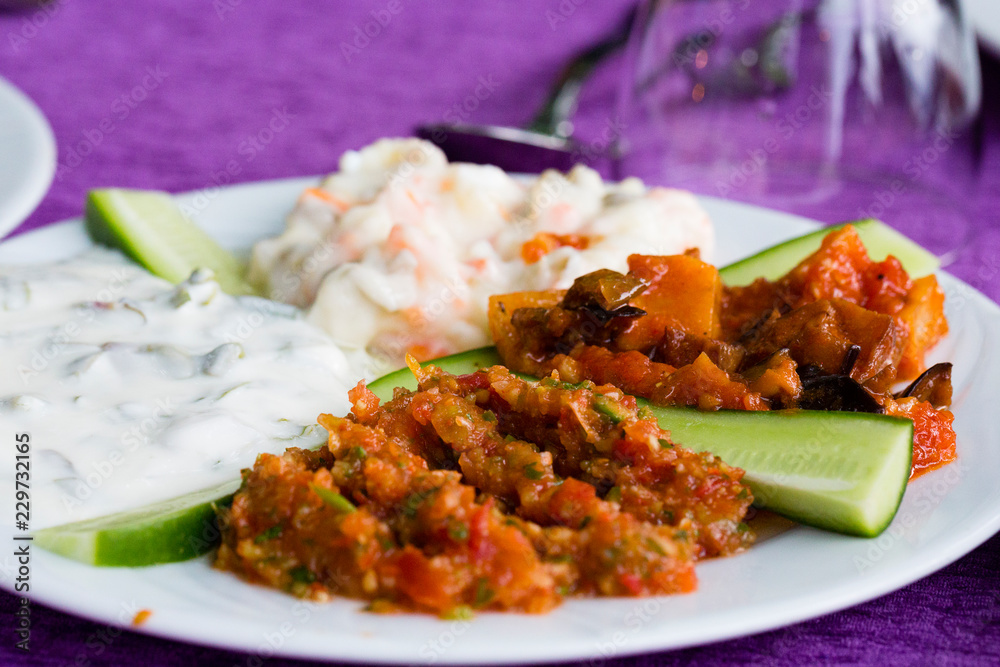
x=835 y=333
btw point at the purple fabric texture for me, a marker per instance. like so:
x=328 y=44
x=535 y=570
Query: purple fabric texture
x=167 y=95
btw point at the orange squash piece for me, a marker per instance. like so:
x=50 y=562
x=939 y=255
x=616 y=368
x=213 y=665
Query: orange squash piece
x=683 y=293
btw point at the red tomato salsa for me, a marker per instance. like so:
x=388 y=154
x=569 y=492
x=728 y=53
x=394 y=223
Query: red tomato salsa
x=485 y=491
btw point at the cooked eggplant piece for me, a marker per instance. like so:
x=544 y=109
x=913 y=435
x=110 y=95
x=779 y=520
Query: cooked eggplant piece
x=544 y=332
x=760 y=325
x=839 y=393
x=822 y=334
x=776 y=379
x=602 y=316
x=679 y=348
x=850 y=360
x=604 y=290
x=933 y=386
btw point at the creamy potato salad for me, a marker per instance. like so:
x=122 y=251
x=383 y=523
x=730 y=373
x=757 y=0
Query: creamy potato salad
x=399 y=250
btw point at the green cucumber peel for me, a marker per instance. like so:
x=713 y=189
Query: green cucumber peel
x=174 y=530
x=150 y=228
x=456 y=364
x=840 y=471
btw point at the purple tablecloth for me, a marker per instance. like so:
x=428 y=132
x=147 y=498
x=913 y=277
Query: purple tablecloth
x=165 y=96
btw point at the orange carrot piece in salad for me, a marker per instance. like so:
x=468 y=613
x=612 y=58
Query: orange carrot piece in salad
x=329 y=198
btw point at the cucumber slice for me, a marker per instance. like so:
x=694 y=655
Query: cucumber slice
x=150 y=228
x=880 y=240
x=456 y=364
x=840 y=471
x=167 y=532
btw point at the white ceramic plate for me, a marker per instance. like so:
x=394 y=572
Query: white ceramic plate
x=985 y=15
x=799 y=574
x=27 y=157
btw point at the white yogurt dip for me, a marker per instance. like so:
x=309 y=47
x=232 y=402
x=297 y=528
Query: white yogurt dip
x=400 y=250
x=135 y=390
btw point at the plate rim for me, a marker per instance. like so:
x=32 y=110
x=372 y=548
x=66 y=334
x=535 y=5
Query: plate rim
x=36 y=180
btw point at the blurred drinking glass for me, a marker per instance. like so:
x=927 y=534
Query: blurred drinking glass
x=832 y=109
